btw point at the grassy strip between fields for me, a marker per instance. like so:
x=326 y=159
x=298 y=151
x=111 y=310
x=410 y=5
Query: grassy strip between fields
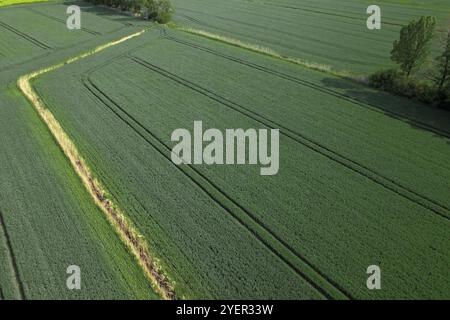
x=4 y=3
x=123 y=226
x=271 y=53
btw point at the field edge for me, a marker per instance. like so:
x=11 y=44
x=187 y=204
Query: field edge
x=121 y=224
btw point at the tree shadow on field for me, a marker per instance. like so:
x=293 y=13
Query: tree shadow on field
x=105 y=12
x=413 y=112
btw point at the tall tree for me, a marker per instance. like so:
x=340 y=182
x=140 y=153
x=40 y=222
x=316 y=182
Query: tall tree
x=442 y=76
x=411 y=50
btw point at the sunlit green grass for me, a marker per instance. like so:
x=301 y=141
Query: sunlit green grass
x=11 y=2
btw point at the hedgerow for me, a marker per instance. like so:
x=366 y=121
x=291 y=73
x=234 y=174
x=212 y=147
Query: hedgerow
x=157 y=10
x=395 y=81
x=410 y=52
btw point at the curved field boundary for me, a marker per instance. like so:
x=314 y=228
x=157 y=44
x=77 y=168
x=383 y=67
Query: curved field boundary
x=12 y=259
x=310 y=273
x=313 y=66
x=25 y=36
x=122 y=225
x=390 y=184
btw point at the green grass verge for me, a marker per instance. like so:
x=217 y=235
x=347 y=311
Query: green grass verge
x=4 y=3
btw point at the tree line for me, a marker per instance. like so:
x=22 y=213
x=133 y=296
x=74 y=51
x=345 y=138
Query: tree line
x=411 y=52
x=157 y=10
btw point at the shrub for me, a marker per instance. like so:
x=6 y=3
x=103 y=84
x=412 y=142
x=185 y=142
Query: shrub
x=440 y=75
x=403 y=86
x=158 y=10
x=396 y=82
x=446 y=103
x=385 y=79
x=426 y=93
x=444 y=98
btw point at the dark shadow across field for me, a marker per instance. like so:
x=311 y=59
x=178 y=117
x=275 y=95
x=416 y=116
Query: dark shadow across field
x=418 y=115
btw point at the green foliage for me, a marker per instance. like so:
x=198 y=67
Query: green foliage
x=441 y=76
x=411 y=50
x=393 y=80
x=397 y=82
x=157 y=10
x=446 y=103
x=426 y=93
x=385 y=79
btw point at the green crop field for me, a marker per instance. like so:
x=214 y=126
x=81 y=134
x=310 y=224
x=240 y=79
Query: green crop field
x=87 y=178
x=142 y=95
x=316 y=31
x=47 y=219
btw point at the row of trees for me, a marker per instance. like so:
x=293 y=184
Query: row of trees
x=411 y=52
x=157 y=10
